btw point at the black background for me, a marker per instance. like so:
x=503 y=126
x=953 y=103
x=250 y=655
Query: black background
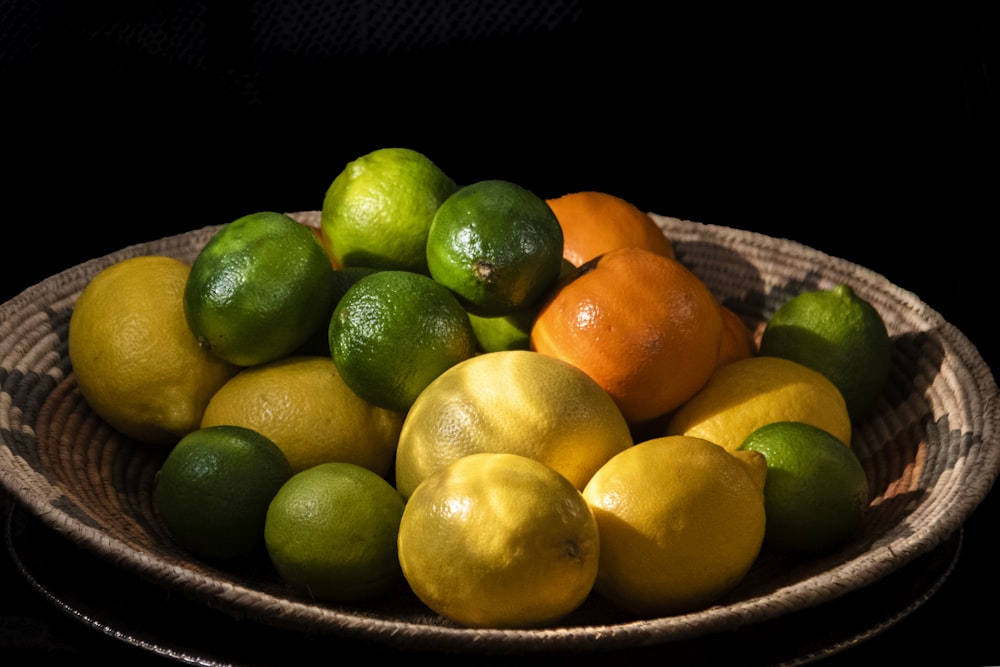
x=872 y=137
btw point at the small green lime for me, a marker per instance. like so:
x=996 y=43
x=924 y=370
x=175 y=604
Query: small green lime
x=214 y=488
x=393 y=332
x=378 y=209
x=816 y=490
x=512 y=331
x=839 y=334
x=331 y=531
x=497 y=246
x=259 y=289
x=319 y=343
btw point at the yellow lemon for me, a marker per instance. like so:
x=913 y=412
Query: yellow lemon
x=135 y=360
x=512 y=402
x=499 y=540
x=744 y=395
x=681 y=523
x=303 y=405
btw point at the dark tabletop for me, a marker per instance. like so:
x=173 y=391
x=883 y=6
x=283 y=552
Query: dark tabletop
x=870 y=137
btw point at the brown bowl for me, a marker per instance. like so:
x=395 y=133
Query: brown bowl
x=931 y=450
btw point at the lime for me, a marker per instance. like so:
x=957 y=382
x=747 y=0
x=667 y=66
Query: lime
x=331 y=531
x=134 y=358
x=504 y=332
x=393 y=332
x=681 y=520
x=839 y=334
x=499 y=540
x=816 y=491
x=378 y=209
x=214 y=488
x=305 y=407
x=259 y=289
x=512 y=331
x=496 y=245
x=343 y=278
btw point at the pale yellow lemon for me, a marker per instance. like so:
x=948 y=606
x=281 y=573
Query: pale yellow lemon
x=499 y=540
x=681 y=523
x=134 y=358
x=514 y=402
x=303 y=405
x=744 y=395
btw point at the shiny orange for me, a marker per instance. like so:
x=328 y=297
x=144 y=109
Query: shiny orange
x=642 y=325
x=737 y=339
x=595 y=222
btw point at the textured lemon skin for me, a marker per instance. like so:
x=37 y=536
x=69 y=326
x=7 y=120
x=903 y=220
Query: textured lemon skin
x=499 y=541
x=134 y=358
x=682 y=521
x=513 y=402
x=744 y=395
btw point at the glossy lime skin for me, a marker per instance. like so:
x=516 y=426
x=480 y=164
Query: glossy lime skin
x=497 y=246
x=393 y=332
x=816 y=490
x=259 y=289
x=214 y=488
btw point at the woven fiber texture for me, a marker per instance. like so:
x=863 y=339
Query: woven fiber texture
x=931 y=450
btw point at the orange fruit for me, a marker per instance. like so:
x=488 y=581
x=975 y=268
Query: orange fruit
x=595 y=222
x=737 y=339
x=642 y=325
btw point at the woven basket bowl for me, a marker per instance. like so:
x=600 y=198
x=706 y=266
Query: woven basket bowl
x=931 y=451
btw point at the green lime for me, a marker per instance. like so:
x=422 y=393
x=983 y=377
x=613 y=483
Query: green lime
x=815 y=492
x=377 y=211
x=331 y=531
x=259 y=289
x=319 y=343
x=214 y=487
x=504 y=332
x=393 y=332
x=839 y=334
x=496 y=245
x=512 y=331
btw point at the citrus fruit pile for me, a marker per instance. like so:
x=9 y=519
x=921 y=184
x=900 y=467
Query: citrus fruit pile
x=497 y=402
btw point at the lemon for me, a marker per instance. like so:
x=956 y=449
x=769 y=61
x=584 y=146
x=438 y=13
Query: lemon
x=214 y=488
x=744 y=395
x=499 y=541
x=681 y=522
x=379 y=208
x=134 y=359
x=331 y=530
x=496 y=245
x=259 y=289
x=393 y=332
x=512 y=402
x=839 y=334
x=816 y=491
x=303 y=405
